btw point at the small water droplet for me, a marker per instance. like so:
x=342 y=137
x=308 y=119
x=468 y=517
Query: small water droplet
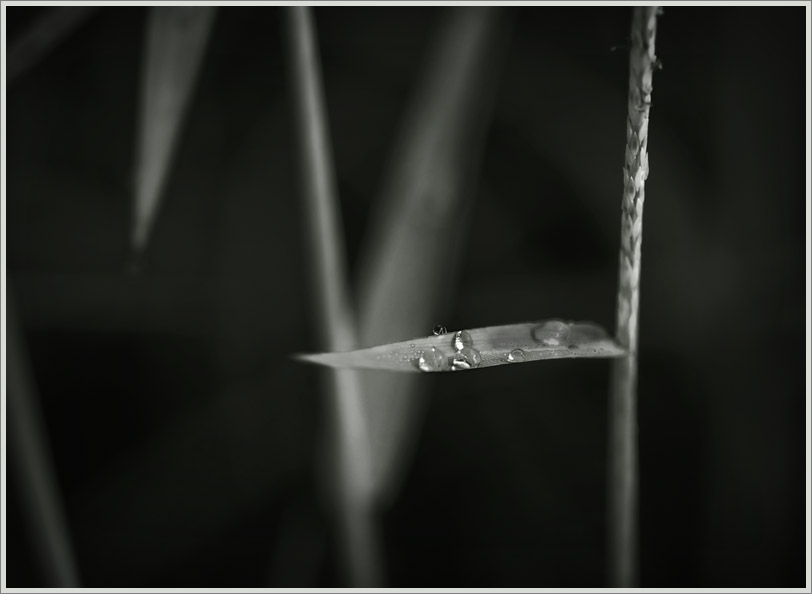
x=411 y=346
x=432 y=360
x=551 y=333
x=516 y=356
x=462 y=339
x=439 y=329
x=466 y=358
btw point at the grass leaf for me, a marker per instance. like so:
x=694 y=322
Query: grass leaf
x=478 y=348
x=176 y=40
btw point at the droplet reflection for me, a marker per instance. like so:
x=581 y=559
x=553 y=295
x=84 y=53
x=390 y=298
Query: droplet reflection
x=516 y=356
x=432 y=360
x=462 y=339
x=551 y=333
x=466 y=358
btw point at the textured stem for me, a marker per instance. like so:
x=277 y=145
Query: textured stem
x=348 y=443
x=623 y=483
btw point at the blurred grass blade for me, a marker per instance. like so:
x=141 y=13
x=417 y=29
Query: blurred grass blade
x=623 y=456
x=39 y=492
x=346 y=420
x=413 y=249
x=480 y=348
x=175 y=43
x=43 y=36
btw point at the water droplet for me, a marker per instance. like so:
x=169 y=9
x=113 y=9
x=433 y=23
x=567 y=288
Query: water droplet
x=516 y=356
x=466 y=358
x=462 y=339
x=552 y=333
x=432 y=360
x=439 y=329
x=411 y=346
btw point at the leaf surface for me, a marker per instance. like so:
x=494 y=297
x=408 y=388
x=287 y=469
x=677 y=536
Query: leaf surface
x=494 y=345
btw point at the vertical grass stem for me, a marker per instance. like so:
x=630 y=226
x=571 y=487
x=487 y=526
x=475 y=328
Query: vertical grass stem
x=623 y=458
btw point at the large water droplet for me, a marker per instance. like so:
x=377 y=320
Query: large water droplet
x=439 y=329
x=462 y=339
x=466 y=358
x=552 y=333
x=516 y=356
x=432 y=360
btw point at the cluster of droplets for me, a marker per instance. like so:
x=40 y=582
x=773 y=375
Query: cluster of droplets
x=465 y=355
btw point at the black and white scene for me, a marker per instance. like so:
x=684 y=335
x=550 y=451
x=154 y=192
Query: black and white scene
x=361 y=296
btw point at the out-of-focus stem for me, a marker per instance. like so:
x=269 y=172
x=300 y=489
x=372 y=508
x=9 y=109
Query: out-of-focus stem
x=623 y=459
x=175 y=44
x=349 y=446
x=46 y=33
x=418 y=223
x=36 y=480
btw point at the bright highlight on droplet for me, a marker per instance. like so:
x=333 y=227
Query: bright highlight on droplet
x=551 y=333
x=516 y=356
x=432 y=360
x=466 y=358
x=462 y=339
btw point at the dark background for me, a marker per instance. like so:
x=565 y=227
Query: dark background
x=184 y=437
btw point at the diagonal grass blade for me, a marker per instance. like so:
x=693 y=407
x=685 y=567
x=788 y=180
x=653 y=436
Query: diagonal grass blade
x=417 y=231
x=347 y=424
x=175 y=44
